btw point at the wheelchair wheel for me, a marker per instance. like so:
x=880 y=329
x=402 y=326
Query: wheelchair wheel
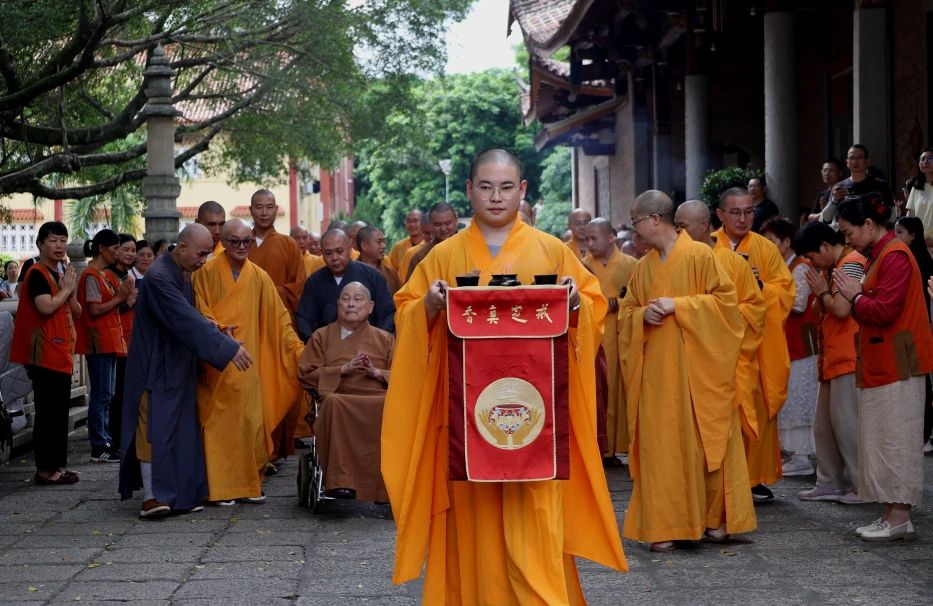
x=304 y=480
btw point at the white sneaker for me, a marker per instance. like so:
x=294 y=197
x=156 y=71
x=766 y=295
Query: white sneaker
x=873 y=526
x=799 y=465
x=885 y=532
x=850 y=498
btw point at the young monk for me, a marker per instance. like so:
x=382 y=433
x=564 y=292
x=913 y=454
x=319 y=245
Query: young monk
x=489 y=542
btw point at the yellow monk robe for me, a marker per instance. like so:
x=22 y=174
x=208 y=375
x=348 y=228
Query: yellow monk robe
x=777 y=285
x=406 y=260
x=280 y=257
x=492 y=543
x=686 y=458
x=311 y=262
x=752 y=307
x=575 y=247
x=239 y=410
x=612 y=278
x=394 y=258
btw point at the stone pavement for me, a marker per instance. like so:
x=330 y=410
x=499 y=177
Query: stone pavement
x=72 y=544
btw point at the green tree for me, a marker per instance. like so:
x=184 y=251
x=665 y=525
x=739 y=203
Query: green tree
x=275 y=79
x=454 y=117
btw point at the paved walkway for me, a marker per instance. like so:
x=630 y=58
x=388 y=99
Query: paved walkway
x=63 y=545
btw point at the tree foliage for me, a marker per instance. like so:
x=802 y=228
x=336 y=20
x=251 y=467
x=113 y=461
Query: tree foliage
x=453 y=117
x=277 y=79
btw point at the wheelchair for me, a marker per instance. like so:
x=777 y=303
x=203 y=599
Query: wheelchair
x=310 y=474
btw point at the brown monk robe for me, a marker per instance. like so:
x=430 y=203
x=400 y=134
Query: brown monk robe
x=280 y=257
x=347 y=363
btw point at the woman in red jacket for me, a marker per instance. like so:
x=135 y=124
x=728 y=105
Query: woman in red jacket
x=895 y=351
x=43 y=341
x=100 y=338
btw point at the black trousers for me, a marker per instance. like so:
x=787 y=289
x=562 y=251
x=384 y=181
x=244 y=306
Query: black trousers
x=52 y=394
x=115 y=420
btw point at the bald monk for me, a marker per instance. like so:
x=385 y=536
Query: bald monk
x=239 y=410
x=444 y=221
x=679 y=337
x=314 y=243
x=348 y=364
x=737 y=211
x=162 y=450
x=693 y=217
x=613 y=270
x=352 y=230
x=577 y=221
x=212 y=216
x=275 y=253
x=413 y=227
x=371 y=243
x=427 y=235
x=302 y=238
x=492 y=543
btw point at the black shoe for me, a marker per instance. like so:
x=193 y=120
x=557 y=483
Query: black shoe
x=104 y=454
x=340 y=493
x=762 y=493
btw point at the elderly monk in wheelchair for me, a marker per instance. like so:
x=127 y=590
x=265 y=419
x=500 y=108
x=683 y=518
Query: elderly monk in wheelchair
x=346 y=367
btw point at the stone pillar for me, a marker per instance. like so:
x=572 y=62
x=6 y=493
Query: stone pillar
x=696 y=119
x=160 y=186
x=871 y=118
x=781 y=124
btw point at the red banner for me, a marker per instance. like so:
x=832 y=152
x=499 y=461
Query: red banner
x=507 y=359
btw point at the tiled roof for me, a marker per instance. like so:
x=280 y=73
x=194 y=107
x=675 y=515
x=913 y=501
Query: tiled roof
x=547 y=24
x=243 y=211
x=26 y=214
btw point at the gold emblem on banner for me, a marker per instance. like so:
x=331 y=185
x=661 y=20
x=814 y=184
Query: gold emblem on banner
x=509 y=413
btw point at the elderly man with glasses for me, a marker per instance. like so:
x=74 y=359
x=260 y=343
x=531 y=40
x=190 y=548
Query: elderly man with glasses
x=762 y=445
x=239 y=411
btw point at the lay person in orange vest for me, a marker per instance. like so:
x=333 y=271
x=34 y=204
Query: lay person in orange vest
x=895 y=351
x=100 y=337
x=835 y=425
x=118 y=272
x=795 y=421
x=43 y=341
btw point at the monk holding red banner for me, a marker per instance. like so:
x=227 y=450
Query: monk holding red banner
x=492 y=542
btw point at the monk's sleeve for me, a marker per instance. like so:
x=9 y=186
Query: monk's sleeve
x=312 y=373
x=178 y=317
x=414 y=435
x=306 y=314
x=711 y=327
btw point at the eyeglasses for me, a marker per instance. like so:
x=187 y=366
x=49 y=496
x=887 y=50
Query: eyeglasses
x=637 y=221
x=507 y=190
x=240 y=243
x=735 y=213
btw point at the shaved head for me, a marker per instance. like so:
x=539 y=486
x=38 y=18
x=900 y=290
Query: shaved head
x=655 y=202
x=236 y=228
x=495 y=155
x=210 y=207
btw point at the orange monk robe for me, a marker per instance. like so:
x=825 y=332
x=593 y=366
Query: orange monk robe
x=238 y=410
x=575 y=247
x=394 y=258
x=280 y=257
x=406 y=260
x=752 y=307
x=613 y=277
x=686 y=458
x=492 y=543
x=777 y=285
x=312 y=263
